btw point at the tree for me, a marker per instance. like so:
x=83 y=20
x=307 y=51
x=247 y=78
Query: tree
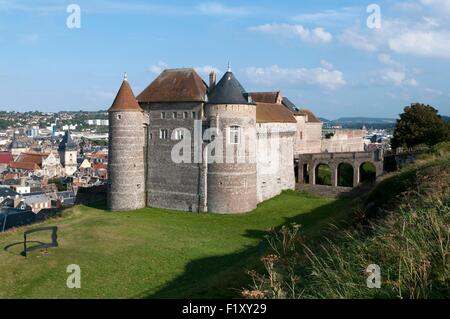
x=419 y=124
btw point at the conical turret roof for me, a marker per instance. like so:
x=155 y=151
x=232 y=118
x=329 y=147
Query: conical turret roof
x=67 y=143
x=125 y=99
x=229 y=91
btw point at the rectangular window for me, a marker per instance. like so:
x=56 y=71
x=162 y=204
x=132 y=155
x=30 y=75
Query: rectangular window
x=235 y=135
x=179 y=134
x=163 y=115
x=185 y=115
x=301 y=135
x=175 y=115
x=163 y=134
x=193 y=115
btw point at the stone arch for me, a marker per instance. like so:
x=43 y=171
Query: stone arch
x=323 y=174
x=345 y=174
x=367 y=172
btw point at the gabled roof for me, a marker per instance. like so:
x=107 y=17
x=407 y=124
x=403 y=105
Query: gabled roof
x=229 y=91
x=273 y=113
x=35 y=158
x=266 y=97
x=175 y=85
x=27 y=166
x=311 y=118
x=125 y=100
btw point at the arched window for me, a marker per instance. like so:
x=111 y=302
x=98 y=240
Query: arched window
x=235 y=135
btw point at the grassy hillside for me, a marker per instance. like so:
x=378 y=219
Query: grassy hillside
x=154 y=253
x=403 y=226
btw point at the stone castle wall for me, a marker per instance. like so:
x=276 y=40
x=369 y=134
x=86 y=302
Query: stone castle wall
x=126 y=173
x=275 y=164
x=172 y=185
x=231 y=186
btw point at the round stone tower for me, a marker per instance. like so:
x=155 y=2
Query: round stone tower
x=231 y=177
x=126 y=170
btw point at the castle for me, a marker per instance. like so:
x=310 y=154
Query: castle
x=187 y=145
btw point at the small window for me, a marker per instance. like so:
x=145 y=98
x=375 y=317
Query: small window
x=175 y=115
x=179 y=134
x=194 y=115
x=235 y=135
x=119 y=117
x=185 y=115
x=164 y=134
x=163 y=115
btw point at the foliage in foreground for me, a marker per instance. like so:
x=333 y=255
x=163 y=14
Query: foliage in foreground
x=410 y=242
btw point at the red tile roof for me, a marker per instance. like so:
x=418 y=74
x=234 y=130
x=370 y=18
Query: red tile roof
x=273 y=113
x=98 y=166
x=177 y=85
x=266 y=97
x=125 y=99
x=6 y=157
x=35 y=158
x=27 y=166
x=311 y=117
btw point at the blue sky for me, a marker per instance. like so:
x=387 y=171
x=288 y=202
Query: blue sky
x=320 y=54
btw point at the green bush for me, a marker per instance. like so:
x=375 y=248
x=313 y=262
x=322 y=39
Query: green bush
x=411 y=244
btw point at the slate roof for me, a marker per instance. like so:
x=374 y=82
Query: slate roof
x=229 y=91
x=291 y=106
x=67 y=144
x=36 y=199
x=6 y=191
x=125 y=100
x=175 y=85
x=273 y=113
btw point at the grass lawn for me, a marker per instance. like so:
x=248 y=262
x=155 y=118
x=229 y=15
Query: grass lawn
x=154 y=253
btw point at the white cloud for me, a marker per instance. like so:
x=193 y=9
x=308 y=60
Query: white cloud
x=441 y=5
x=395 y=73
x=433 y=44
x=330 y=17
x=424 y=38
x=326 y=65
x=317 y=35
x=328 y=79
x=158 y=68
x=356 y=39
x=220 y=9
x=206 y=70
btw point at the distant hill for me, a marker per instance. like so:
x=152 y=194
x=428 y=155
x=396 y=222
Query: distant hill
x=358 y=122
x=368 y=120
x=446 y=118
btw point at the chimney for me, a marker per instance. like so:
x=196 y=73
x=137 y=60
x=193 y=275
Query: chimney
x=212 y=80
